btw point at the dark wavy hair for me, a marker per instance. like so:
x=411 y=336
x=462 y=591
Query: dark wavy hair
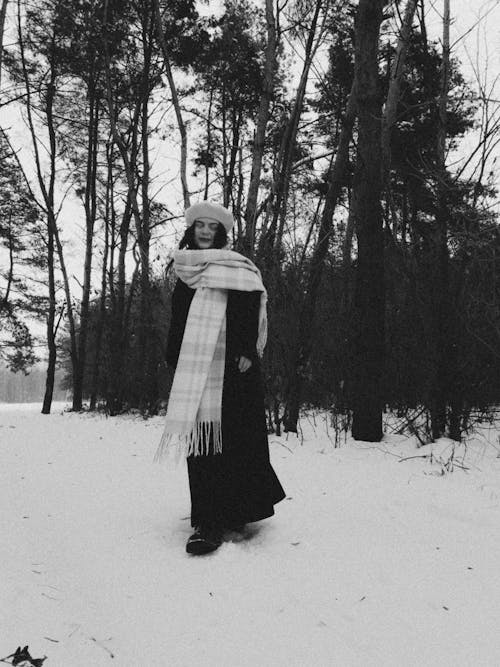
x=187 y=241
x=220 y=239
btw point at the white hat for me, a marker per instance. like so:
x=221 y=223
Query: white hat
x=209 y=210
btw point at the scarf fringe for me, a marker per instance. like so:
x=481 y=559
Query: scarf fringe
x=196 y=443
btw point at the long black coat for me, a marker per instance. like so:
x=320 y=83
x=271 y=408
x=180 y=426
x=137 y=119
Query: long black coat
x=239 y=485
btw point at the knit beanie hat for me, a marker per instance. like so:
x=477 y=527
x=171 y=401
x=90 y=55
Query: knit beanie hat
x=211 y=210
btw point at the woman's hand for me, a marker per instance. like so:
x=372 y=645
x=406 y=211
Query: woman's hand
x=243 y=364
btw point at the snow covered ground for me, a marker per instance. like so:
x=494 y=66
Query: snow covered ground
x=369 y=561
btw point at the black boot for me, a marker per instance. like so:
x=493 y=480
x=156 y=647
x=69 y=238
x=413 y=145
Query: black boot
x=204 y=540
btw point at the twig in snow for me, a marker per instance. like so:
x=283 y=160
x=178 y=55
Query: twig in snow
x=50 y=597
x=277 y=442
x=421 y=456
x=102 y=646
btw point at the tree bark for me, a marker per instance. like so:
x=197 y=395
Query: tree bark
x=117 y=326
x=393 y=94
x=47 y=190
x=130 y=157
x=308 y=310
x=279 y=197
x=51 y=334
x=90 y=217
x=260 y=131
x=440 y=287
x=147 y=397
x=3 y=13
x=175 y=101
x=108 y=240
x=368 y=341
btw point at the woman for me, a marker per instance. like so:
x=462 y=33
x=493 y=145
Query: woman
x=216 y=406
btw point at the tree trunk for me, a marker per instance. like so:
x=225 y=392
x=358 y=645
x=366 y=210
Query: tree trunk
x=393 y=94
x=129 y=152
x=226 y=194
x=102 y=304
x=236 y=119
x=284 y=163
x=260 y=131
x=47 y=190
x=90 y=216
x=368 y=340
x=51 y=342
x=304 y=342
x=149 y=391
x=209 y=145
x=118 y=331
x=440 y=287
x=144 y=239
x=175 y=101
x=3 y=12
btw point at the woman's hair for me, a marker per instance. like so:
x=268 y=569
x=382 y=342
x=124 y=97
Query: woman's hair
x=187 y=241
x=220 y=239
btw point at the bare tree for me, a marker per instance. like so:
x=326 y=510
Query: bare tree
x=47 y=188
x=132 y=142
x=277 y=203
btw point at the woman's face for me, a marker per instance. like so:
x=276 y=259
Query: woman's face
x=204 y=233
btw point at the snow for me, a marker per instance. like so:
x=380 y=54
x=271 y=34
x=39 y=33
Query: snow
x=369 y=561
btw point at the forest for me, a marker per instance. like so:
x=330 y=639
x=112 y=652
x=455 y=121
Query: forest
x=358 y=161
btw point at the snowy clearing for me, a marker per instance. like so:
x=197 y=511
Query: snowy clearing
x=369 y=561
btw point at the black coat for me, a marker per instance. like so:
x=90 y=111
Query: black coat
x=239 y=485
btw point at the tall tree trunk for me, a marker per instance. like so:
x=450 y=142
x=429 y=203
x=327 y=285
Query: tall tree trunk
x=108 y=240
x=175 y=101
x=369 y=306
x=129 y=152
x=3 y=13
x=393 y=94
x=280 y=187
x=304 y=343
x=119 y=342
x=144 y=239
x=441 y=289
x=236 y=119
x=208 y=132
x=51 y=333
x=260 y=130
x=226 y=194
x=149 y=392
x=129 y=160
x=49 y=113
x=90 y=216
x=48 y=207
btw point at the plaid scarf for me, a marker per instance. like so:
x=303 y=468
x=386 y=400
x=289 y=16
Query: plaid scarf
x=193 y=419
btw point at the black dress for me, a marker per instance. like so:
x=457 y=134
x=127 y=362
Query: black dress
x=239 y=485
